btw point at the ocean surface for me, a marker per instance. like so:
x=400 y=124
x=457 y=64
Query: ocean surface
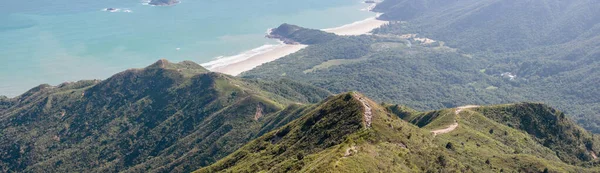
x=55 y=41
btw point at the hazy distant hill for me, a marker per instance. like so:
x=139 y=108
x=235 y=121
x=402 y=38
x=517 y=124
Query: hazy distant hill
x=495 y=25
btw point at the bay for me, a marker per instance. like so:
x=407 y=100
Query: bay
x=68 y=40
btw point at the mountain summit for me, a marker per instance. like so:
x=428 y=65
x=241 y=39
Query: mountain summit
x=351 y=133
x=165 y=117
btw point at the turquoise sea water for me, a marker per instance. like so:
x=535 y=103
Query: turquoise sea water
x=44 y=41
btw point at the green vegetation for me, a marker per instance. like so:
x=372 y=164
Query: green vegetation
x=334 y=137
x=292 y=34
x=435 y=54
x=422 y=77
x=494 y=26
x=549 y=127
x=179 y=117
x=166 y=117
x=4 y=103
x=550 y=47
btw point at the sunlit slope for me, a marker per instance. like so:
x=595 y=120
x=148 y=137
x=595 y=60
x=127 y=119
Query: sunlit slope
x=336 y=136
x=166 y=117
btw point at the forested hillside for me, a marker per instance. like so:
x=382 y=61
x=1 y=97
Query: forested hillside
x=494 y=25
x=551 y=45
x=387 y=69
x=438 y=54
x=166 y=117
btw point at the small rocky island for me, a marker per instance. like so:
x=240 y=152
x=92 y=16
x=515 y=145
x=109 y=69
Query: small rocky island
x=163 y=2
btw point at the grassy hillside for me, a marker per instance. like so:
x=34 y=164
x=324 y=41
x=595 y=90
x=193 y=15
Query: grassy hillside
x=549 y=127
x=332 y=136
x=337 y=136
x=165 y=117
x=544 y=126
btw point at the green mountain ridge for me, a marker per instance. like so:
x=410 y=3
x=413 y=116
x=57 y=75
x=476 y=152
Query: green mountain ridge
x=337 y=136
x=166 y=118
x=435 y=57
x=179 y=117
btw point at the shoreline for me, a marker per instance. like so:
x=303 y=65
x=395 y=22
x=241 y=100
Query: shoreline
x=252 y=62
x=237 y=64
x=357 y=28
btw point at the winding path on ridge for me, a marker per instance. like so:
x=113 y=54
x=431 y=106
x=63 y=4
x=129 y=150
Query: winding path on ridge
x=368 y=114
x=455 y=125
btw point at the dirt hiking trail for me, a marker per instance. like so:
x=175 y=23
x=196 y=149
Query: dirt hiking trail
x=455 y=125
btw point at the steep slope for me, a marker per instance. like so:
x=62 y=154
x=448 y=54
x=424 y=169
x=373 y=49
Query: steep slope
x=549 y=127
x=166 y=117
x=511 y=135
x=337 y=134
x=410 y=9
x=4 y=103
x=498 y=25
x=350 y=133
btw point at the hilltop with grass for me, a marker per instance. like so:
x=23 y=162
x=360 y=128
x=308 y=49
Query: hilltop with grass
x=351 y=133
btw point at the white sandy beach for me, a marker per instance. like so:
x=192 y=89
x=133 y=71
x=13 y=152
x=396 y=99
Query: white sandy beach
x=356 y=28
x=257 y=60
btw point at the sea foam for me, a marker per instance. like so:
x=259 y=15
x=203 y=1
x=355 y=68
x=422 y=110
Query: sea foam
x=227 y=60
x=117 y=10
